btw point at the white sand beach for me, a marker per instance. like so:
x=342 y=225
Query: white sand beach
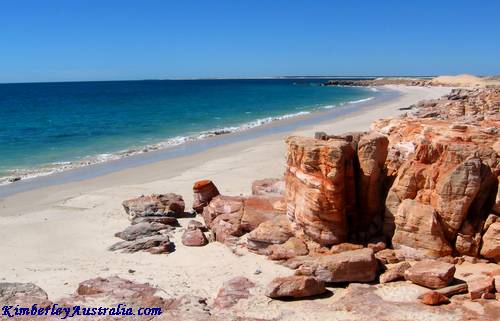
x=57 y=236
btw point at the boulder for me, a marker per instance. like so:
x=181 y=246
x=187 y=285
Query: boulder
x=23 y=294
x=294 y=287
x=293 y=247
x=169 y=204
x=431 y=273
x=395 y=273
x=258 y=209
x=491 y=242
x=144 y=229
x=275 y=231
x=434 y=298
x=351 y=266
x=155 y=244
x=269 y=187
x=417 y=226
x=194 y=237
x=232 y=291
x=223 y=217
x=318 y=177
x=204 y=191
x=479 y=286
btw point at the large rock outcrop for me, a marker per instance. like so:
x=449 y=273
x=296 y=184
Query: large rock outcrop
x=319 y=174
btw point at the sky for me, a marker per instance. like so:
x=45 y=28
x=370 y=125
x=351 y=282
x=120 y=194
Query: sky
x=76 y=40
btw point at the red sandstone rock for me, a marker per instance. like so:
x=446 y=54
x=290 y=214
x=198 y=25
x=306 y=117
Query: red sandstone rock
x=434 y=298
x=395 y=273
x=258 y=209
x=491 y=242
x=193 y=225
x=154 y=205
x=204 y=191
x=23 y=294
x=479 y=286
x=417 y=227
x=343 y=247
x=268 y=187
x=317 y=178
x=350 y=266
x=294 y=286
x=194 y=237
x=431 y=273
x=276 y=231
x=232 y=291
x=293 y=247
x=223 y=216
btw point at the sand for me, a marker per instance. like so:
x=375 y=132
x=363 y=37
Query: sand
x=57 y=236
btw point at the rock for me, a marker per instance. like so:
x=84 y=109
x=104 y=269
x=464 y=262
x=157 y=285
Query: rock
x=492 y=218
x=276 y=231
x=223 y=217
x=144 y=229
x=293 y=247
x=479 y=286
x=434 y=298
x=116 y=290
x=496 y=281
x=395 y=273
x=417 y=227
x=318 y=177
x=23 y=294
x=491 y=242
x=269 y=187
x=351 y=266
x=343 y=247
x=377 y=247
x=193 y=225
x=232 y=291
x=388 y=256
x=452 y=290
x=154 y=205
x=258 y=209
x=194 y=237
x=295 y=287
x=431 y=274
x=204 y=191
x=167 y=220
x=496 y=205
x=155 y=244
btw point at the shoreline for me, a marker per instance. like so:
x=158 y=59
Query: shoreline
x=62 y=232
x=69 y=171
x=14 y=176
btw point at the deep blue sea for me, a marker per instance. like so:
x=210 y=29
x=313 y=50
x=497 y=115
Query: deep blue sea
x=47 y=127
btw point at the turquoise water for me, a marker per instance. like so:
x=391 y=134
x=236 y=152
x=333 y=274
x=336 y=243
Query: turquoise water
x=47 y=127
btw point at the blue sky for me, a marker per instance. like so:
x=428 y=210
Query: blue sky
x=63 y=40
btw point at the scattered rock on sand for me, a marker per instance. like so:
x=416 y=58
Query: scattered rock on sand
x=293 y=247
x=431 y=273
x=232 y=291
x=144 y=229
x=194 y=237
x=351 y=266
x=491 y=242
x=434 y=298
x=395 y=273
x=295 y=287
x=156 y=244
x=169 y=204
x=479 y=286
x=204 y=191
x=24 y=294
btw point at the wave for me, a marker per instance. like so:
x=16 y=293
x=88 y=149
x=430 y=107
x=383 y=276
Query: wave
x=361 y=100
x=57 y=167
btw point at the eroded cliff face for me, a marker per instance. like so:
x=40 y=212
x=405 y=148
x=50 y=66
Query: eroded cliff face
x=443 y=155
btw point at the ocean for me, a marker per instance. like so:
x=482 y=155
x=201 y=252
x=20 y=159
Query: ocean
x=52 y=127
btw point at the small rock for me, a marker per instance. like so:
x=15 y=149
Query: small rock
x=434 y=298
x=480 y=286
x=194 y=238
x=232 y=291
x=295 y=286
x=204 y=191
x=395 y=273
x=376 y=247
x=431 y=273
x=343 y=247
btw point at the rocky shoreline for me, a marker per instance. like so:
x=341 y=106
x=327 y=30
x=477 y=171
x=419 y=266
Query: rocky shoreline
x=411 y=207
